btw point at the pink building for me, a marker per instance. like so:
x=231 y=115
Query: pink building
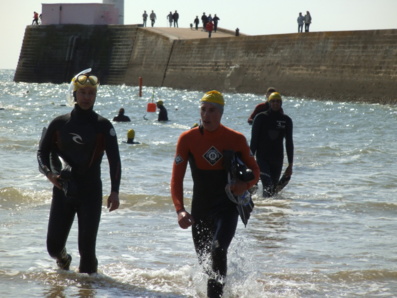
x=85 y=13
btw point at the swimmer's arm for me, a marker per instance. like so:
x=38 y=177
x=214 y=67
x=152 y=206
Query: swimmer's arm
x=113 y=201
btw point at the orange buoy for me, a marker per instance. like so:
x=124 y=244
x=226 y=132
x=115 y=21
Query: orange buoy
x=151 y=107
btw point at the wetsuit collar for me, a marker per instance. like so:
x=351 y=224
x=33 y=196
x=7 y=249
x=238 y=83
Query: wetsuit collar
x=81 y=114
x=214 y=134
x=275 y=112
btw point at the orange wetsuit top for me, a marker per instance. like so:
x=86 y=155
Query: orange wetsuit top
x=204 y=152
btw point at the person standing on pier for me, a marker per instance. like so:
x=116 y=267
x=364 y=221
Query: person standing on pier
x=308 y=21
x=204 y=20
x=170 y=18
x=175 y=17
x=144 y=17
x=35 y=18
x=209 y=27
x=300 y=20
x=215 y=20
x=153 y=18
x=196 y=22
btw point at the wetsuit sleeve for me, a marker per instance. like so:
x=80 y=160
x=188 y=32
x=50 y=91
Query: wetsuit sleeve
x=252 y=117
x=45 y=148
x=113 y=155
x=289 y=142
x=178 y=172
x=250 y=162
x=255 y=133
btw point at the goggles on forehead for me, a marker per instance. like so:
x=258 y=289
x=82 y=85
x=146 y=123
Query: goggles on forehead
x=80 y=80
x=84 y=79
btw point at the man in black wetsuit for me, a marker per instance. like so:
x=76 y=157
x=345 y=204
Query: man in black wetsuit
x=269 y=130
x=163 y=114
x=121 y=117
x=70 y=155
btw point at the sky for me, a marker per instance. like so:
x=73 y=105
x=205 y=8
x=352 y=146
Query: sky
x=252 y=17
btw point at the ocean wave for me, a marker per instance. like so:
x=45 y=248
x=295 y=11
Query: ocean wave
x=14 y=198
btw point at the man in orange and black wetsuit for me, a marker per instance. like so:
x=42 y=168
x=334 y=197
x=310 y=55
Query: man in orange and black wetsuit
x=80 y=139
x=213 y=216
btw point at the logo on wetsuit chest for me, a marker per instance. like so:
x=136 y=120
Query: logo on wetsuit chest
x=280 y=124
x=77 y=138
x=212 y=155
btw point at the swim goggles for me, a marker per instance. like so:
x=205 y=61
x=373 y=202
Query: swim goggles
x=87 y=79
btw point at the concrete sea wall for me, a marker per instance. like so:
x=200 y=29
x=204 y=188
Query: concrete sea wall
x=54 y=53
x=359 y=65
x=346 y=66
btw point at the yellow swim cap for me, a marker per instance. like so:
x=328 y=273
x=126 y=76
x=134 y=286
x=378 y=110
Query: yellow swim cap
x=131 y=134
x=85 y=80
x=275 y=96
x=160 y=102
x=213 y=97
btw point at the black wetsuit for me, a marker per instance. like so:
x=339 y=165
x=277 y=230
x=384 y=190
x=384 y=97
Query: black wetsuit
x=79 y=139
x=267 y=139
x=121 y=118
x=216 y=222
x=163 y=115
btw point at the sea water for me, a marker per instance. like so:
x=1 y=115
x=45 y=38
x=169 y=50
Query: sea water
x=329 y=233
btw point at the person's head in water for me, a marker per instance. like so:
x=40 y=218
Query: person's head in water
x=159 y=103
x=121 y=112
x=211 y=109
x=275 y=101
x=130 y=136
x=84 y=90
